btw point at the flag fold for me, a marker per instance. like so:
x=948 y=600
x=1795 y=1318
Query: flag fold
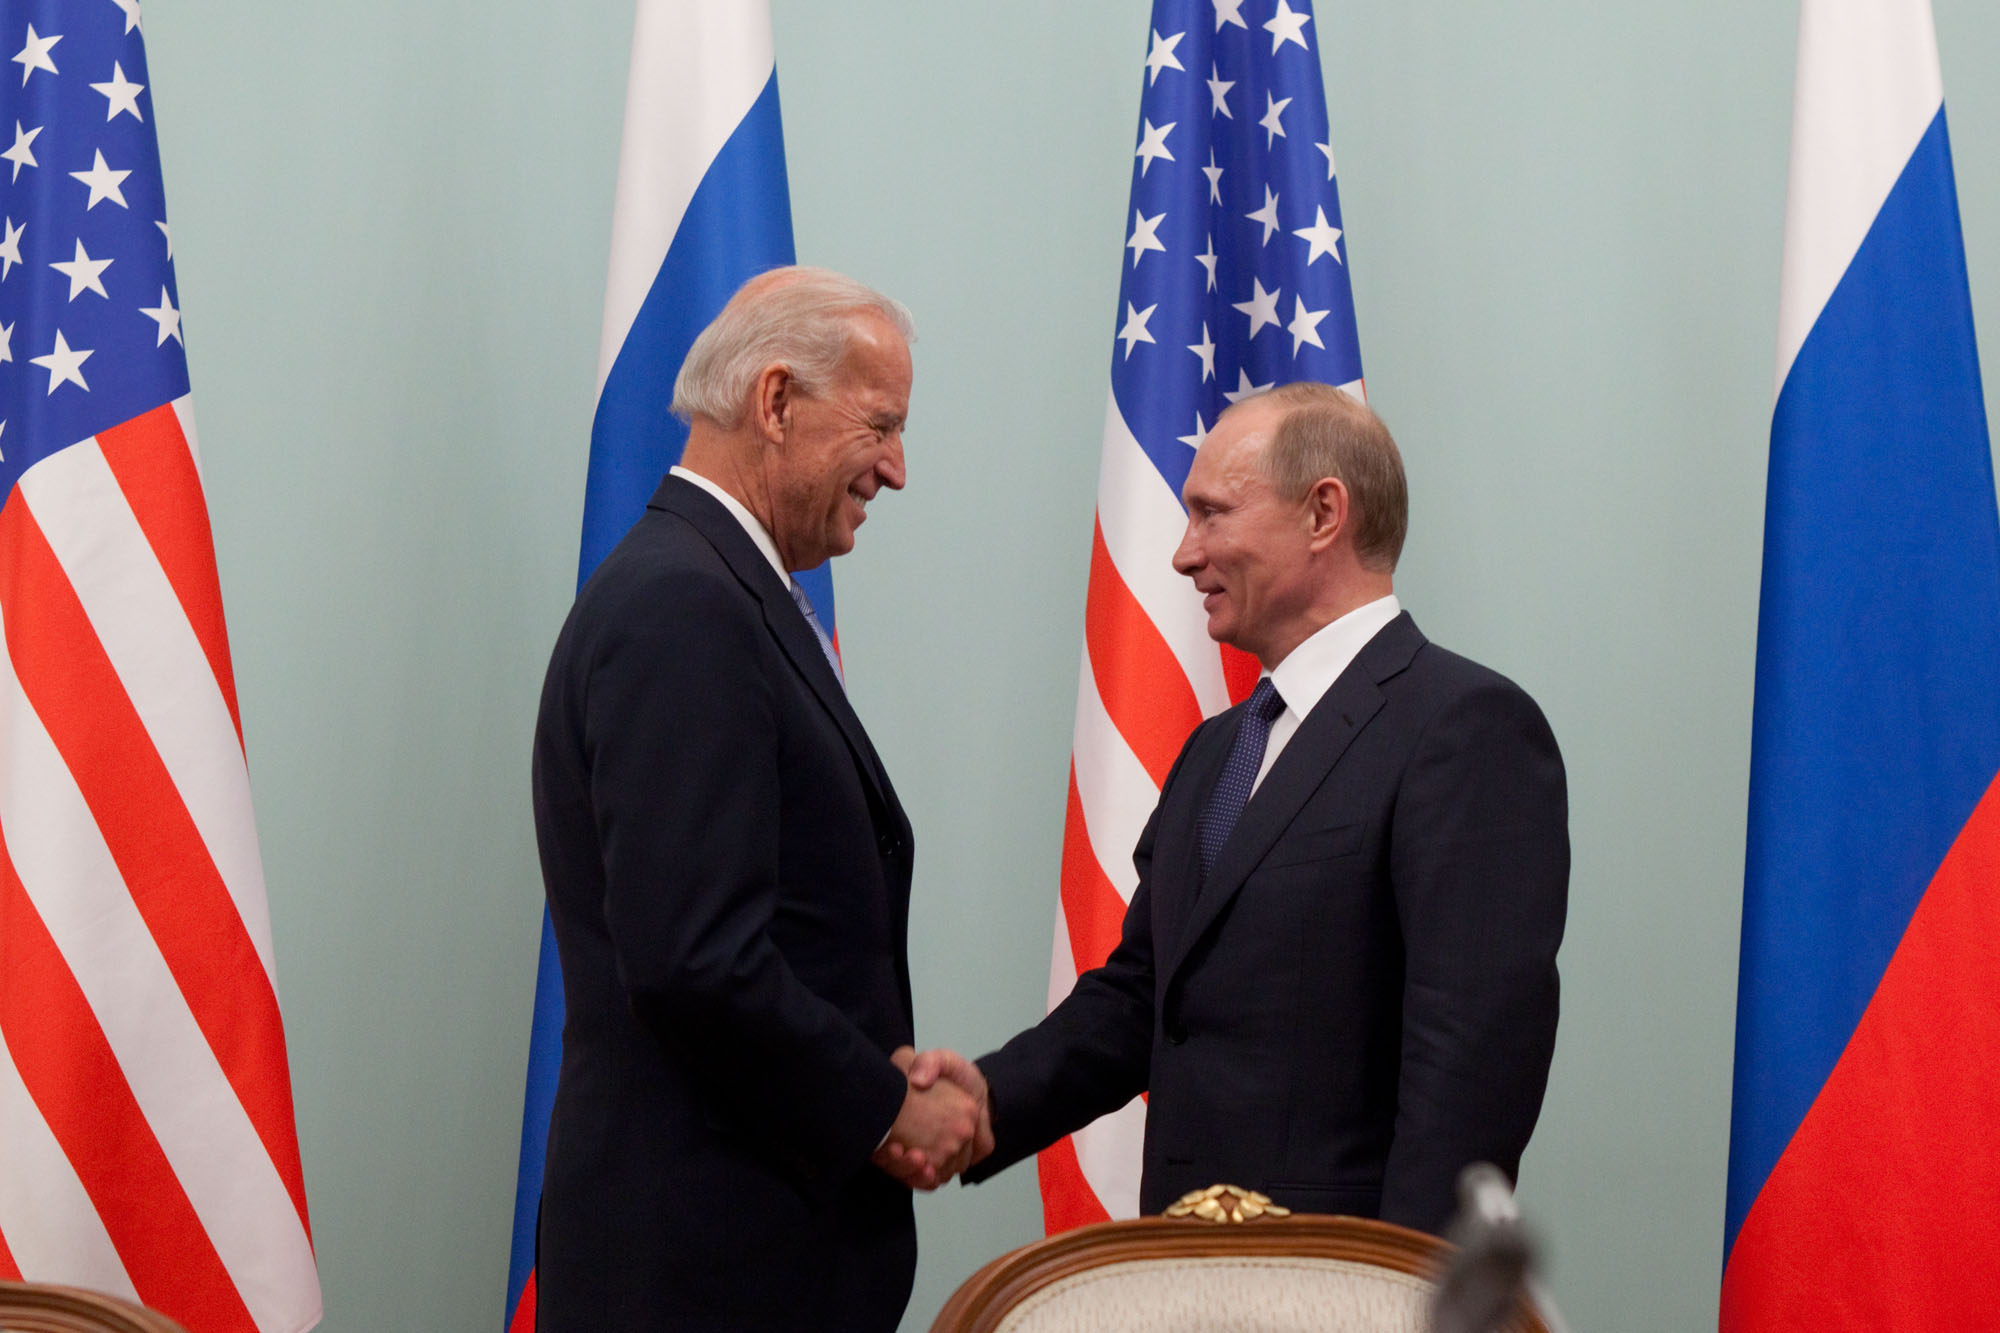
x=147 y=1141
x=1867 y=1082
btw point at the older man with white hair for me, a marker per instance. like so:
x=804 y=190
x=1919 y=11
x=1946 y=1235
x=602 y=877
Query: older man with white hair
x=728 y=868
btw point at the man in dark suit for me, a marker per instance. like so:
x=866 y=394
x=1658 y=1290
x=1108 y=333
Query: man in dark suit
x=1337 y=975
x=728 y=868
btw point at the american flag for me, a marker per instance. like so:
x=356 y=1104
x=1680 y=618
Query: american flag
x=147 y=1144
x=1235 y=279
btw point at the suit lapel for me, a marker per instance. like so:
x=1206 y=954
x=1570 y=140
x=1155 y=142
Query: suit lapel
x=801 y=645
x=782 y=617
x=1175 y=877
x=1311 y=754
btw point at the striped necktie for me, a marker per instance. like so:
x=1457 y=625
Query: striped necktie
x=1239 y=773
x=805 y=606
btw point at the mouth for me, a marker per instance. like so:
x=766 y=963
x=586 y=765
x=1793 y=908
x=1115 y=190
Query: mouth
x=860 y=500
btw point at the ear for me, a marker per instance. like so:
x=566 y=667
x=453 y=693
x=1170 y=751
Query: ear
x=771 y=399
x=1329 y=510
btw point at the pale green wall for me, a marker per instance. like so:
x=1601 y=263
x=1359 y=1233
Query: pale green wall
x=391 y=226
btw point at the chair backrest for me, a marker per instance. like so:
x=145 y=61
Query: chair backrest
x=1273 y=1274
x=36 y=1307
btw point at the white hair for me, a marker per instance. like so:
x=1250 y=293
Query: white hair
x=795 y=316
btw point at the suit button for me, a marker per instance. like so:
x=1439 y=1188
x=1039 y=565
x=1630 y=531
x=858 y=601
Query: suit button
x=886 y=842
x=1176 y=1034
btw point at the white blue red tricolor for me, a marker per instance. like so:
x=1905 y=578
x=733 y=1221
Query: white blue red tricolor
x=1864 y=1155
x=702 y=207
x=1235 y=279
x=147 y=1142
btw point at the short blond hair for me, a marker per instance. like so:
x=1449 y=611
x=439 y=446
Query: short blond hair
x=1327 y=432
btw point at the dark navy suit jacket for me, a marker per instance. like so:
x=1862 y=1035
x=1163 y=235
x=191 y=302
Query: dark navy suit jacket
x=1362 y=997
x=728 y=875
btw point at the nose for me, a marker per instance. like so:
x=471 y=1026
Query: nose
x=891 y=469
x=1187 y=556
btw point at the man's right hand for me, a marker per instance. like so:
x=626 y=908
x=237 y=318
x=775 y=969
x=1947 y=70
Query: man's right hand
x=949 y=1067
x=933 y=1135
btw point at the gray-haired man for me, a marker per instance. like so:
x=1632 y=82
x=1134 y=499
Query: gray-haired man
x=728 y=868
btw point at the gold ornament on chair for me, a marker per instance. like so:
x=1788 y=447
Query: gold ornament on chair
x=1225 y=1203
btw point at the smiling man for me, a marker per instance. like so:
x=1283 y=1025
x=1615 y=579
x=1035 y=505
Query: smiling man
x=728 y=868
x=1337 y=975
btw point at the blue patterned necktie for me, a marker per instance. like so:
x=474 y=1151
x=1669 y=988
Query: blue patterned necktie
x=1239 y=774
x=819 y=632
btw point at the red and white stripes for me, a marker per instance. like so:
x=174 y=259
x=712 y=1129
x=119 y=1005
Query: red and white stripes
x=145 y=1101
x=1150 y=674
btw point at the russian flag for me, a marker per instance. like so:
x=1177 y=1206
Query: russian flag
x=1864 y=1155
x=702 y=207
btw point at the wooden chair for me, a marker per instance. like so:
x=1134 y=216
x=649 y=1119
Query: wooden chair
x=36 y=1307
x=1267 y=1271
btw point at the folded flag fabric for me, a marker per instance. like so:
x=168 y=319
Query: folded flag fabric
x=147 y=1141
x=1864 y=1152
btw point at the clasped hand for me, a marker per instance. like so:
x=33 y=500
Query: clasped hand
x=946 y=1123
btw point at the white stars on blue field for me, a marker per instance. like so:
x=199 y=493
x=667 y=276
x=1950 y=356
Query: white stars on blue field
x=90 y=320
x=1235 y=225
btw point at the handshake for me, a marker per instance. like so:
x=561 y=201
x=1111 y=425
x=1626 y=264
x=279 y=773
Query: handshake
x=946 y=1123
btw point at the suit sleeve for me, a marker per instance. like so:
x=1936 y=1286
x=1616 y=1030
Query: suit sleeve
x=1480 y=869
x=1093 y=1053
x=682 y=745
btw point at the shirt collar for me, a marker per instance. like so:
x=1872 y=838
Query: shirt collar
x=758 y=532
x=1310 y=669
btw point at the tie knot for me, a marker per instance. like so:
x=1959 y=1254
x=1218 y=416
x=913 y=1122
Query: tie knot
x=804 y=603
x=1265 y=701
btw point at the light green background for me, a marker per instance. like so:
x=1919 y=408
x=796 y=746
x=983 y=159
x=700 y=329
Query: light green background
x=391 y=222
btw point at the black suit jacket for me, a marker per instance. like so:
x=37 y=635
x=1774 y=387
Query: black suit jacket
x=1362 y=997
x=728 y=874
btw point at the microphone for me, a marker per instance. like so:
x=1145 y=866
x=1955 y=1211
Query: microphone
x=1495 y=1262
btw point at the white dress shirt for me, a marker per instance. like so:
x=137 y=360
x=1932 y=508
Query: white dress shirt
x=758 y=532
x=1310 y=669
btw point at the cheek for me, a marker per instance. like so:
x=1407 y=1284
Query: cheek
x=841 y=472
x=1251 y=583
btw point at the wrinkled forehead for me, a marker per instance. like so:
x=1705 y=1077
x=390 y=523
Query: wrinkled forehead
x=877 y=354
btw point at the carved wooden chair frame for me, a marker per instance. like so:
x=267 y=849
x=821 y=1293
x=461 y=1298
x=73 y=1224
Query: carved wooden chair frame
x=988 y=1296
x=36 y=1307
